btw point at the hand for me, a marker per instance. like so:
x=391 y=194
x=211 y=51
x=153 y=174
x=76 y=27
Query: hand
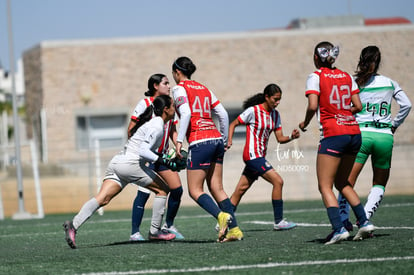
x=295 y=134
x=178 y=147
x=170 y=163
x=302 y=126
x=229 y=144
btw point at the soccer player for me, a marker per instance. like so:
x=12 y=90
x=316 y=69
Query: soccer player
x=195 y=105
x=261 y=119
x=377 y=127
x=158 y=84
x=130 y=166
x=334 y=95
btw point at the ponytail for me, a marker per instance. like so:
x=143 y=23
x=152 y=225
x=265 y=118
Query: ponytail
x=259 y=98
x=155 y=109
x=327 y=53
x=154 y=79
x=368 y=64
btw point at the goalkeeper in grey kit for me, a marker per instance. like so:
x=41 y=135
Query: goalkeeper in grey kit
x=130 y=166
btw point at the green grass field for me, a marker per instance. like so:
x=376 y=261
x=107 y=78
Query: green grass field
x=38 y=246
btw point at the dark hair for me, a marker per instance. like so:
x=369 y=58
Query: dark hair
x=329 y=60
x=157 y=108
x=368 y=64
x=259 y=98
x=185 y=65
x=154 y=79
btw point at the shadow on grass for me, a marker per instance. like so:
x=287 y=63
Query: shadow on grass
x=159 y=242
x=322 y=241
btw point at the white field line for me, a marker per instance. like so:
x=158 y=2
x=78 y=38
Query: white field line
x=255 y=266
x=328 y=225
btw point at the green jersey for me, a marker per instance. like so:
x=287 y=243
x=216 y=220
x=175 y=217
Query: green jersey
x=376 y=97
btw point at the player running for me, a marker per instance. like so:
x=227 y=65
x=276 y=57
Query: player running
x=195 y=105
x=261 y=119
x=130 y=166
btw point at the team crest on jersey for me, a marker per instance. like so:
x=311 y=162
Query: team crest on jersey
x=180 y=101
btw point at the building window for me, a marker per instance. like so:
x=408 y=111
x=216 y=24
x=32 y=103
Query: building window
x=239 y=131
x=234 y=112
x=109 y=129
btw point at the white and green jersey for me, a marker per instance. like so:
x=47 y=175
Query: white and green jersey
x=376 y=97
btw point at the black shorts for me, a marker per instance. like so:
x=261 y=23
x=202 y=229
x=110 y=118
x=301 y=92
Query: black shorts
x=340 y=145
x=255 y=168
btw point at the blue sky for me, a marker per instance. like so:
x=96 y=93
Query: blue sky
x=34 y=21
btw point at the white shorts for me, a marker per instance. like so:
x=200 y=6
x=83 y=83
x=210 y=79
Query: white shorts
x=124 y=170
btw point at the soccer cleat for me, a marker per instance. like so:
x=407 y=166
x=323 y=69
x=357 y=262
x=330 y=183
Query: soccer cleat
x=234 y=234
x=223 y=220
x=173 y=230
x=348 y=226
x=365 y=231
x=338 y=236
x=284 y=225
x=136 y=237
x=70 y=233
x=161 y=235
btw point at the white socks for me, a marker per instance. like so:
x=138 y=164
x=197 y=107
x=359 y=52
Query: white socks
x=158 y=210
x=85 y=213
x=374 y=200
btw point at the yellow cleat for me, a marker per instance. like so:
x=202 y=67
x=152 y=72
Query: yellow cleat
x=223 y=220
x=234 y=234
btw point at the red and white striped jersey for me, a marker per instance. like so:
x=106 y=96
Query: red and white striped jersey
x=334 y=89
x=140 y=108
x=259 y=126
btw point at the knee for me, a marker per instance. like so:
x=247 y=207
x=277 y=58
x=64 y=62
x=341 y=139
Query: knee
x=343 y=185
x=278 y=183
x=103 y=201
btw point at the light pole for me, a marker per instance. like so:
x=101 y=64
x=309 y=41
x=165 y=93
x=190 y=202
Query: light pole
x=21 y=214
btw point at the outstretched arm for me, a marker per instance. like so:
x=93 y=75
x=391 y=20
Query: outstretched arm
x=281 y=138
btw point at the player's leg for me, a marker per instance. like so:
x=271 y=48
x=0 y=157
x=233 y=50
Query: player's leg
x=276 y=180
x=241 y=188
x=381 y=164
x=109 y=189
x=161 y=189
x=138 y=209
x=344 y=207
x=174 y=199
x=364 y=152
x=249 y=175
x=326 y=167
x=215 y=185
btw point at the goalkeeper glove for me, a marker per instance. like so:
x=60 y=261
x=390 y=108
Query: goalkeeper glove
x=170 y=163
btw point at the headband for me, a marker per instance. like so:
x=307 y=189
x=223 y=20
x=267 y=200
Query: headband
x=179 y=67
x=324 y=53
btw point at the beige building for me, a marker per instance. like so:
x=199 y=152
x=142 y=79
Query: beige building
x=73 y=84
